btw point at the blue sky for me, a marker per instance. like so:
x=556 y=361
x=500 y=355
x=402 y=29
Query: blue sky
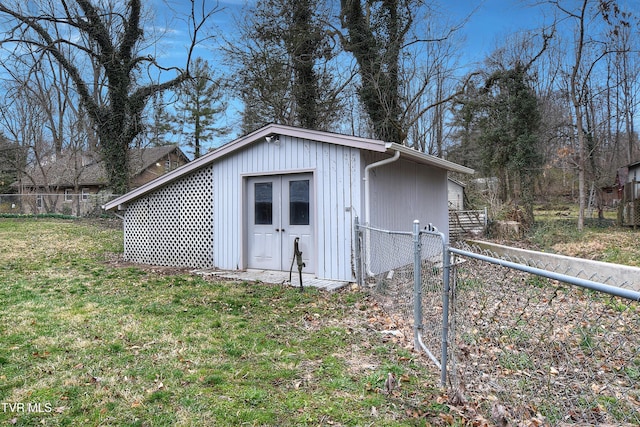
x=489 y=20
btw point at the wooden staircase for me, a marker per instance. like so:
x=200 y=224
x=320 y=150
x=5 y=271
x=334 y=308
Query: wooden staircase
x=467 y=223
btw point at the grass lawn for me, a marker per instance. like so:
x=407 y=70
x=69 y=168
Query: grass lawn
x=86 y=341
x=601 y=240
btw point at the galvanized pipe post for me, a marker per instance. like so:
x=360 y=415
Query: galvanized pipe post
x=417 y=285
x=446 y=289
x=358 y=251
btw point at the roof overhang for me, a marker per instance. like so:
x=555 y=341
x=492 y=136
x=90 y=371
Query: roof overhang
x=427 y=159
x=273 y=130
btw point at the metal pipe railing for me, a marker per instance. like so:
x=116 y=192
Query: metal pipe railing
x=584 y=283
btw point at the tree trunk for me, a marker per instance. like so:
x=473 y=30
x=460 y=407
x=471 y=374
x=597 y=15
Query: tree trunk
x=581 y=166
x=576 y=98
x=378 y=63
x=306 y=80
x=109 y=36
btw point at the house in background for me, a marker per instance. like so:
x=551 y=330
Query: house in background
x=243 y=205
x=72 y=183
x=149 y=163
x=628 y=184
x=462 y=222
x=455 y=190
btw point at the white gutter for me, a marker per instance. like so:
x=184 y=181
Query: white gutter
x=428 y=159
x=368 y=168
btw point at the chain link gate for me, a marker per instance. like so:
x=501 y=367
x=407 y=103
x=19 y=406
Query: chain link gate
x=404 y=271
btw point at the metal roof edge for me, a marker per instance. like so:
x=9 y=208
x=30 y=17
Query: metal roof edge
x=328 y=137
x=429 y=159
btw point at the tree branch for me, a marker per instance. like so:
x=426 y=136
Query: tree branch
x=48 y=46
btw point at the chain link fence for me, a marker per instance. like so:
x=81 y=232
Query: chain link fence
x=522 y=343
x=530 y=350
x=82 y=204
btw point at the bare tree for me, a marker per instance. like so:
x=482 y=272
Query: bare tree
x=588 y=51
x=42 y=118
x=283 y=62
x=24 y=119
x=626 y=69
x=406 y=59
x=108 y=34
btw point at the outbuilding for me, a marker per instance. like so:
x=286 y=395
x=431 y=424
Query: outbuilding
x=628 y=183
x=242 y=205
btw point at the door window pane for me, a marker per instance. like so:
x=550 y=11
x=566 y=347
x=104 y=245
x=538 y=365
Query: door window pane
x=299 y=202
x=264 y=203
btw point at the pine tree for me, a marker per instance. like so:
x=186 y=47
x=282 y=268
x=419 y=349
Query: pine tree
x=198 y=107
x=161 y=120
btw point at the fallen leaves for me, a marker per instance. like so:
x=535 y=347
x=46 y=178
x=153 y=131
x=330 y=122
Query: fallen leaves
x=542 y=347
x=41 y=355
x=528 y=350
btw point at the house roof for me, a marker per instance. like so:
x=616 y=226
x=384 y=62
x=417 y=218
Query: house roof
x=456 y=182
x=633 y=165
x=274 y=130
x=86 y=169
x=143 y=158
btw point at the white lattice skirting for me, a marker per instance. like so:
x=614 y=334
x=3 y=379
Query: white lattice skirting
x=174 y=225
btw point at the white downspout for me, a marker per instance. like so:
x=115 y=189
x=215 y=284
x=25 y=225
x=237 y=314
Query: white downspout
x=367 y=205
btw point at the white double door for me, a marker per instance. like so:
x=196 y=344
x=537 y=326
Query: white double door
x=280 y=208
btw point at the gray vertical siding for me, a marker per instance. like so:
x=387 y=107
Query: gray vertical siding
x=335 y=169
x=404 y=191
x=199 y=220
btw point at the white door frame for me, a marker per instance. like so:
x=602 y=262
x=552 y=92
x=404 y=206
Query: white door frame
x=269 y=244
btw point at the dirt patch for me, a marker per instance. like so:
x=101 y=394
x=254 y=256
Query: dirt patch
x=116 y=260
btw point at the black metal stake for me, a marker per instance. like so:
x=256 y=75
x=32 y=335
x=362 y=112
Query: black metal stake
x=297 y=256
